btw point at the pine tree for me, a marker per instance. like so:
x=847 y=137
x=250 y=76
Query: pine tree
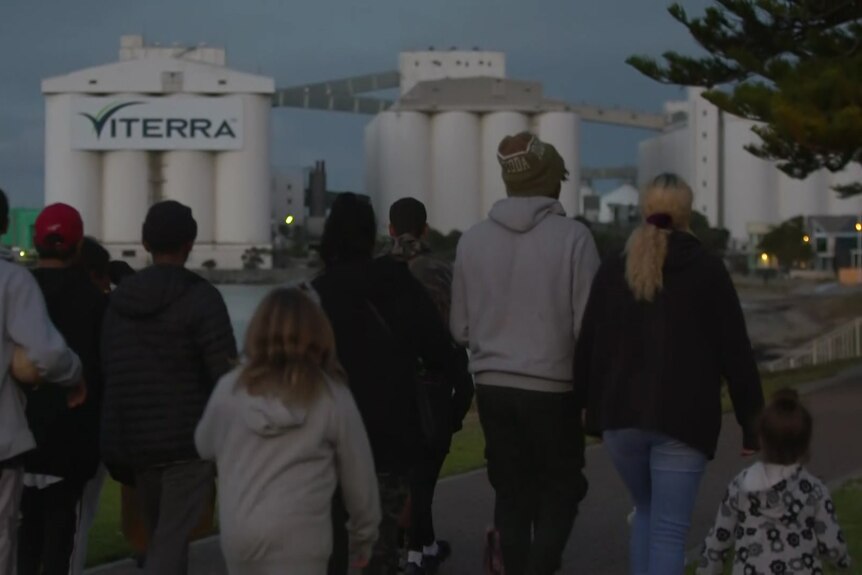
x=794 y=66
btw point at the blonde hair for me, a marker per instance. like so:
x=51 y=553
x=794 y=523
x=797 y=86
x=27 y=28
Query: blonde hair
x=289 y=349
x=665 y=206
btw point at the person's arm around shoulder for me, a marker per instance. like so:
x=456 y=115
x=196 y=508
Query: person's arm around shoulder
x=585 y=265
x=356 y=474
x=458 y=316
x=30 y=327
x=214 y=333
x=211 y=428
x=738 y=365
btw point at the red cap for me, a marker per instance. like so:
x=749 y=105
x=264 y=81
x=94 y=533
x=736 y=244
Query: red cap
x=59 y=226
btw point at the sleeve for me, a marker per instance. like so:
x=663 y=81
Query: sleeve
x=462 y=398
x=356 y=475
x=584 y=267
x=214 y=335
x=585 y=342
x=737 y=359
x=29 y=327
x=719 y=541
x=207 y=433
x=831 y=543
x=458 y=318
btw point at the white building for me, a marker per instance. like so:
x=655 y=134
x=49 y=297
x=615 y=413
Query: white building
x=438 y=143
x=733 y=188
x=162 y=123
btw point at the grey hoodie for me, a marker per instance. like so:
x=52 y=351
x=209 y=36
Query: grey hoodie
x=521 y=282
x=24 y=321
x=278 y=468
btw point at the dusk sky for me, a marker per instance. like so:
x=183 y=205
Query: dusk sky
x=576 y=48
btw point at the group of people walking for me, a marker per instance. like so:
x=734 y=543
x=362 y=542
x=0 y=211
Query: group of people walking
x=332 y=425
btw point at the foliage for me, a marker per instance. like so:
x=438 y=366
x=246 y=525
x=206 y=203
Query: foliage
x=209 y=265
x=787 y=243
x=713 y=239
x=795 y=66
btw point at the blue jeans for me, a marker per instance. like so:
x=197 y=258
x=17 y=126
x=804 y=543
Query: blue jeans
x=663 y=476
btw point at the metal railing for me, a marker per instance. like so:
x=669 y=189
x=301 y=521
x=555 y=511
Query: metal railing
x=845 y=342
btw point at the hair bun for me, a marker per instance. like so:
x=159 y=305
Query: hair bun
x=786 y=398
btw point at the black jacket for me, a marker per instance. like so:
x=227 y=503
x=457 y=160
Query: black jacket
x=167 y=339
x=68 y=439
x=659 y=366
x=382 y=363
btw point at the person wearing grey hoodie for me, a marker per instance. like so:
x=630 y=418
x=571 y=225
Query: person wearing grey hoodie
x=521 y=283
x=25 y=324
x=284 y=431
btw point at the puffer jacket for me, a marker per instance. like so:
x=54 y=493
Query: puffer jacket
x=166 y=341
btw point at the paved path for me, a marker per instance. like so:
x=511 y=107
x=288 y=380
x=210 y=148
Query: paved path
x=599 y=542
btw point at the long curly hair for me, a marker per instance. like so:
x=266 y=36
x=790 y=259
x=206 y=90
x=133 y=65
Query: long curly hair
x=665 y=206
x=289 y=349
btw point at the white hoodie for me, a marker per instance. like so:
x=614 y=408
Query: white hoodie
x=521 y=282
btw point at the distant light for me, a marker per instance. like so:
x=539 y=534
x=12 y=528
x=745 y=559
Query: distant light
x=806 y=239
x=289 y=220
x=859 y=226
x=22 y=253
x=764 y=257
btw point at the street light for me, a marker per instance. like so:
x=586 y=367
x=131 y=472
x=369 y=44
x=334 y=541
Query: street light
x=859 y=251
x=289 y=220
x=764 y=257
x=806 y=239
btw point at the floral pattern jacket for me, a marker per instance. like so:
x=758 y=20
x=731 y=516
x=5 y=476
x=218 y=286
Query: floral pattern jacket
x=785 y=528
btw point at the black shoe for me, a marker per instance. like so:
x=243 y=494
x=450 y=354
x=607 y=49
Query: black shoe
x=414 y=569
x=432 y=562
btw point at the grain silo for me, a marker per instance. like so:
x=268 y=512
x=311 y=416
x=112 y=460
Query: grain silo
x=438 y=143
x=162 y=123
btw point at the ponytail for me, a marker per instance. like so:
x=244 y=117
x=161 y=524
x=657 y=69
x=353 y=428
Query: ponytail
x=646 y=252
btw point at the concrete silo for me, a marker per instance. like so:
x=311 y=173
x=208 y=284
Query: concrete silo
x=404 y=140
x=72 y=176
x=562 y=129
x=455 y=171
x=162 y=123
x=495 y=127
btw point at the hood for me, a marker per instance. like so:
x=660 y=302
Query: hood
x=269 y=417
x=770 y=485
x=152 y=290
x=6 y=254
x=682 y=250
x=521 y=215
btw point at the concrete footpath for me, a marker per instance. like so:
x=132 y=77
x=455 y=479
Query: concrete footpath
x=599 y=543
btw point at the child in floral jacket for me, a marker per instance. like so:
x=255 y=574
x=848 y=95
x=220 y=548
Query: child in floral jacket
x=780 y=517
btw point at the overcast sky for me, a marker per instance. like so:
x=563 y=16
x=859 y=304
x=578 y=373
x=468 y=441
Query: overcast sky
x=576 y=48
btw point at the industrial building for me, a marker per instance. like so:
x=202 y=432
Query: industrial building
x=163 y=123
x=732 y=187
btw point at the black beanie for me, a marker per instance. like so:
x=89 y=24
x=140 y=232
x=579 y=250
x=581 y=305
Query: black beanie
x=168 y=227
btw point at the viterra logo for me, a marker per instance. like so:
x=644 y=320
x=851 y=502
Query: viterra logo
x=102 y=117
x=155 y=128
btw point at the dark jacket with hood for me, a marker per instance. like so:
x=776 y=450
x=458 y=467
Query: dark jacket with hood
x=67 y=439
x=659 y=366
x=387 y=330
x=167 y=340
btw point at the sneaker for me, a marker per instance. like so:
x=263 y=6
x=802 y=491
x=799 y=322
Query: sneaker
x=432 y=562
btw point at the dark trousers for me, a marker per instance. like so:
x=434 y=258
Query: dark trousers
x=394 y=488
x=535 y=453
x=423 y=483
x=173 y=499
x=49 y=522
